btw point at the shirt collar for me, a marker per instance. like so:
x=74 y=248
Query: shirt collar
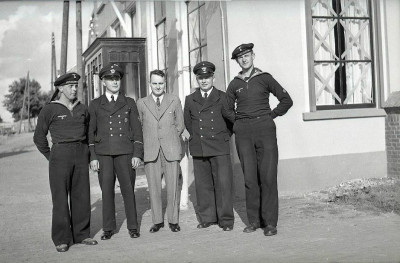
x=208 y=92
x=155 y=97
x=108 y=95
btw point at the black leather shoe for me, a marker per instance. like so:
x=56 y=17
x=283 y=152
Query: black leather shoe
x=134 y=233
x=174 y=227
x=89 y=241
x=156 y=227
x=106 y=235
x=251 y=228
x=62 y=248
x=227 y=228
x=270 y=230
x=205 y=225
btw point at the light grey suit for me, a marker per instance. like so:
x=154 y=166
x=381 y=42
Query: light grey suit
x=162 y=127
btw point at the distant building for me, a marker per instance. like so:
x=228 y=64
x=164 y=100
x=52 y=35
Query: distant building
x=339 y=60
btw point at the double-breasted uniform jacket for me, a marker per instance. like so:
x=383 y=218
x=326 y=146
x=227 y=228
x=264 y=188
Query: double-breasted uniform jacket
x=116 y=130
x=209 y=130
x=156 y=125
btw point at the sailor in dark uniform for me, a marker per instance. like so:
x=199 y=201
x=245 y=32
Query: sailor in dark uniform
x=204 y=115
x=67 y=120
x=116 y=146
x=255 y=135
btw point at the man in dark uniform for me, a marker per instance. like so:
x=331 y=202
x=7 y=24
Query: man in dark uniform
x=255 y=133
x=116 y=146
x=204 y=113
x=67 y=120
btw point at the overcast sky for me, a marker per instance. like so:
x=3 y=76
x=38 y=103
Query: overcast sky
x=25 y=41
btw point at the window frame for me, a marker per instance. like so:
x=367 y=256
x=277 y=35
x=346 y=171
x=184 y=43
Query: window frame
x=360 y=109
x=201 y=46
x=162 y=20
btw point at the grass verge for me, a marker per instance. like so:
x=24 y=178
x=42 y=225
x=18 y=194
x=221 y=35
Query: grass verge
x=381 y=195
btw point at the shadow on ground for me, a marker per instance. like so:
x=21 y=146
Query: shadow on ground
x=8 y=154
x=142 y=205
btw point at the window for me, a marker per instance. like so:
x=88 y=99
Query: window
x=197 y=35
x=116 y=30
x=92 y=77
x=133 y=16
x=342 y=55
x=160 y=19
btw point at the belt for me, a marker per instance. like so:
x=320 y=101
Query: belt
x=255 y=117
x=71 y=142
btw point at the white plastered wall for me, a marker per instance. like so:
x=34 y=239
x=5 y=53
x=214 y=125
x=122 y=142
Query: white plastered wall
x=279 y=35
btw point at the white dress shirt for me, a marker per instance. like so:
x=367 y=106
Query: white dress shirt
x=108 y=95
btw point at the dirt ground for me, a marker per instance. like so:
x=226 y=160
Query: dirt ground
x=310 y=229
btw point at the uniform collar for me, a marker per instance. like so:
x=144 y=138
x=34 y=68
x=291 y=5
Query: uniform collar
x=208 y=92
x=108 y=95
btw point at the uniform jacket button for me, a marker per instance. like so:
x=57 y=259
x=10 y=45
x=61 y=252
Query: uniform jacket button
x=110 y=129
x=111 y=135
x=120 y=135
x=119 y=116
x=201 y=136
x=110 y=122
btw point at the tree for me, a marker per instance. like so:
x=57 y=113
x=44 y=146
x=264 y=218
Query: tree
x=14 y=100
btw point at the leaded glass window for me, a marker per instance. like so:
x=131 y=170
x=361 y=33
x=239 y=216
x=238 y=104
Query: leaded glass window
x=342 y=54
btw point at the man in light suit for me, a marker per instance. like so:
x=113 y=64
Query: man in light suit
x=162 y=124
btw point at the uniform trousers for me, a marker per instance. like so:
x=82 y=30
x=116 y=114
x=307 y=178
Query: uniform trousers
x=257 y=148
x=70 y=192
x=120 y=166
x=213 y=180
x=155 y=170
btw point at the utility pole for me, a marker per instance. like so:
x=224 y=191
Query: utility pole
x=64 y=38
x=53 y=61
x=29 y=102
x=79 y=49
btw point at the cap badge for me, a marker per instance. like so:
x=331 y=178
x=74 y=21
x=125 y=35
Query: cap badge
x=112 y=71
x=204 y=69
x=74 y=76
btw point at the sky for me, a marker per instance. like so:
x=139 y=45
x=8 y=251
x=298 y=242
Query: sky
x=25 y=41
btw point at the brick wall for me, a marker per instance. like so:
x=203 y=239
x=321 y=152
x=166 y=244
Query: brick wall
x=392 y=134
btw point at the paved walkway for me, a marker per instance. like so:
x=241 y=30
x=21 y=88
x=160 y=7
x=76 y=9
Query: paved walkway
x=308 y=231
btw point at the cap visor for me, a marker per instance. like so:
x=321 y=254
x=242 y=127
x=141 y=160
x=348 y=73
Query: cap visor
x=205 y=75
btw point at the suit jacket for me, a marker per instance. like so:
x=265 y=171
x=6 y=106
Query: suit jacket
x=114 y=130
x=207 y=125
x=162 y=127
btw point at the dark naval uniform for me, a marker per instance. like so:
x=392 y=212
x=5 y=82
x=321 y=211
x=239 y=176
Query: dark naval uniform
x=255 y=135
x=68 y=166
x=209 y=146
x=115 y=136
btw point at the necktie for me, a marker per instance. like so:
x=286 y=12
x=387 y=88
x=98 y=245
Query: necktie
x=205 y=95
x=158 y=102
x=112 y=102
